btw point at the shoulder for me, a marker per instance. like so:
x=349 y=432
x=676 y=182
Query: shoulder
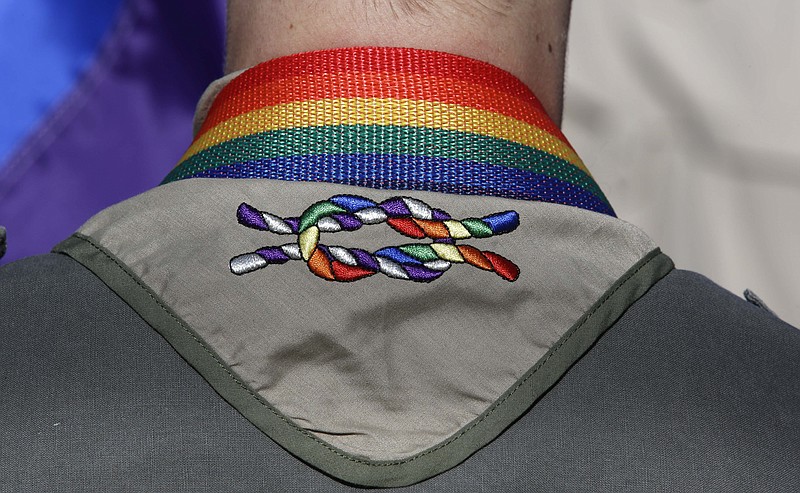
x=692 y=387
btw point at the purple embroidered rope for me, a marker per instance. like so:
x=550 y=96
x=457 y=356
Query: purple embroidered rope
x=408 y=216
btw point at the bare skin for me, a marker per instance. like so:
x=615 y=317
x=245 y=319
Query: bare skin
x=525 y=37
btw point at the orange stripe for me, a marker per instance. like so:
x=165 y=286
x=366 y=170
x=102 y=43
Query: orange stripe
x=474 y=257
x=408 y=61
x=433 y=229
x=320 y=265
x=374 y=85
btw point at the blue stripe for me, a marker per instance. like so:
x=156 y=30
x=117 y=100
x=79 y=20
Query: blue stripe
x=352 y=203
x=404 y=172
x=504 y=222
x=393 y=253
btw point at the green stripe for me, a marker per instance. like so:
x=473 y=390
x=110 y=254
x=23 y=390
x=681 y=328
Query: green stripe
x=316 y=212
x=477 y=228
x=420 y=251
x=376 y=139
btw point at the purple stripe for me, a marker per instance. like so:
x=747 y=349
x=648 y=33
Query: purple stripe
x=395 y=207
x=348 y=222
x=293 y=222
x=250 y=217
x=441 y=215
x=273 y=255
x=364 y=259
x=419 y=273
x=384 y=171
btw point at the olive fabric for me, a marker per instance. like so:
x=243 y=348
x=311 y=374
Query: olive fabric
x=381 y=369
x=692 y=389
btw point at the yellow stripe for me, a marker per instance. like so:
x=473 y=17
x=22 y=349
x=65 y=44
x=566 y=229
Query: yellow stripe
x=448 y=252
x=457 y=230
x=378 y=111
x=307 y=241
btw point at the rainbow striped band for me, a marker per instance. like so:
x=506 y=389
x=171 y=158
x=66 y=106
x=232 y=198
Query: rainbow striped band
x=390 y=118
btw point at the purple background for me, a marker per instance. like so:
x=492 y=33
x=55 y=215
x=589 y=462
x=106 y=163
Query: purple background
x=120 y=129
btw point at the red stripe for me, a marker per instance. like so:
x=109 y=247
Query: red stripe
x=371 y=59
x=406 y=226
x=375 y=85
x=366 y=72
x=507 y=269
x=347 y=273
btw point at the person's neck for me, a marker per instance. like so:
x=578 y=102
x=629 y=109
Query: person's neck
x=527 y=39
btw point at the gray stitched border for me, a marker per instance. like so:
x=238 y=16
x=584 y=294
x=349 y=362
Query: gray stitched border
x=352 y=469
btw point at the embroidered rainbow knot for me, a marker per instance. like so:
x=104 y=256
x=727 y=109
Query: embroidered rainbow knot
x=411 y=217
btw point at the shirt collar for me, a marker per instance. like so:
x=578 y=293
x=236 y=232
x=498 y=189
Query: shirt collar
x=388 y=118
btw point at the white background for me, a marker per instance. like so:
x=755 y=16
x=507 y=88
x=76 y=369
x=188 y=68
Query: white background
x=687 y=113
